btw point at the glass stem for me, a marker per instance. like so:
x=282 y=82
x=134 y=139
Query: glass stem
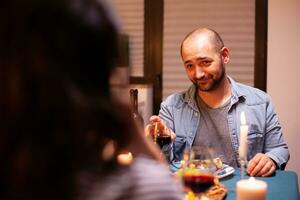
x=243 y=163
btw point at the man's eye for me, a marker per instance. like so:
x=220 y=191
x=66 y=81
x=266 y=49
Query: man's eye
x=205 y=63
x=189 y=66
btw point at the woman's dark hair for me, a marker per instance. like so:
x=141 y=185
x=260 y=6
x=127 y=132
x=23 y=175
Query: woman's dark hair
x=56 y=57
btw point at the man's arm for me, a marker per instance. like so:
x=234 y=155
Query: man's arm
x=275 y=146
x=276 y=154
x=165 y=125
x=165 y=113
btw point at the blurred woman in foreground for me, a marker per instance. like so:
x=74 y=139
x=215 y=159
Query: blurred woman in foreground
x=60 y=132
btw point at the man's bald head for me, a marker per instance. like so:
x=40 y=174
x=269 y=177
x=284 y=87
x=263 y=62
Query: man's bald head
x=213 y=37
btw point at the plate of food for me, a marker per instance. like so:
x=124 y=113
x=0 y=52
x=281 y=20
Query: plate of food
x=225 y=171
x=222 y=170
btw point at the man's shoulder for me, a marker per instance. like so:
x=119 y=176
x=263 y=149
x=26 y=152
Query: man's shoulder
x=252 y=95
x=178 y=98
x=246 y=89
x=175 y=99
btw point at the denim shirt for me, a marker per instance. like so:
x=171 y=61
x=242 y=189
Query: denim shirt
x=181 y=114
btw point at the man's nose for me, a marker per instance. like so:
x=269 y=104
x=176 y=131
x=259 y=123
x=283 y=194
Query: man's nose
x=199 y=72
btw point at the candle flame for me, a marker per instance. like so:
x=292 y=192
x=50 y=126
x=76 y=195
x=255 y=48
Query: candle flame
x=243 y=118
x=125 y=158
x=252 y=179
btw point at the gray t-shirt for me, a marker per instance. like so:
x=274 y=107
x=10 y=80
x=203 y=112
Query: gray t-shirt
x=213 y=131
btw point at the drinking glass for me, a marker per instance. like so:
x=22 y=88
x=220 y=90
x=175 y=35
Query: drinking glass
x=160 y=136
x=198 y=171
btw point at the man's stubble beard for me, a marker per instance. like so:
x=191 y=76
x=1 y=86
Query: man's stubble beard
x=214 y=84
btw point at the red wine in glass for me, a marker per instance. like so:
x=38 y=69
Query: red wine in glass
x=197 y=182
x=162 y=140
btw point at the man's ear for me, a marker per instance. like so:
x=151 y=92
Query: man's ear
x=225 y=54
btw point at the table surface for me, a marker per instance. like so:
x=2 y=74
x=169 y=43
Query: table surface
x=283 y=185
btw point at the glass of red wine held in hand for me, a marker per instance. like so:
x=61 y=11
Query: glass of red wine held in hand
x=160 y=135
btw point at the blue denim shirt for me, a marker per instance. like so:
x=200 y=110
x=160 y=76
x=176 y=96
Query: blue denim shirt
x=181 y=114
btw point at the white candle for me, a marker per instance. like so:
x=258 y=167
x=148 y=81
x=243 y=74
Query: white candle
x=243 y=137
x=251 y=189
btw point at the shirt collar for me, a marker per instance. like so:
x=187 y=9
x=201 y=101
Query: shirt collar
x=189 y=97
x=237 y=94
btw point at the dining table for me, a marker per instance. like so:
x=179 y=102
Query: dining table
x=283 y=185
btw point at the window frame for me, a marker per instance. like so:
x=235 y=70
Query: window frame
x=153 y=47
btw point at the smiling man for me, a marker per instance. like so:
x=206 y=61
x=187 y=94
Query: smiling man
x=208 y=112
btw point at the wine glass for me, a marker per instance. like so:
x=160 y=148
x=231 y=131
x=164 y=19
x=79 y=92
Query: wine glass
x=161 y=137
x=198 y=171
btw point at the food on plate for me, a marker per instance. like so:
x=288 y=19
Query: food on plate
x=216 y=192
x=203 y=163
x=218 y=163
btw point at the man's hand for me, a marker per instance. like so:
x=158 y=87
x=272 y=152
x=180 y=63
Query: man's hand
x=160 y=125
x=261 y=165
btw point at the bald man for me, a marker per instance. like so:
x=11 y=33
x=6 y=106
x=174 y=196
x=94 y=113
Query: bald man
x=208 y=112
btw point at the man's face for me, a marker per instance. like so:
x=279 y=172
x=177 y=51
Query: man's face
x=204 y=64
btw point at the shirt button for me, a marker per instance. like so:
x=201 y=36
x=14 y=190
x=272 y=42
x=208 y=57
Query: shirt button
x=196 y=114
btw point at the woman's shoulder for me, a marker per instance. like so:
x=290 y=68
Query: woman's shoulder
x=144 y=167
x=154 y=180
x=144 y=179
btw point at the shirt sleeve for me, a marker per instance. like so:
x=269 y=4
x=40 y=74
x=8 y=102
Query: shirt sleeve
x=275 y=146
x=165 y=114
